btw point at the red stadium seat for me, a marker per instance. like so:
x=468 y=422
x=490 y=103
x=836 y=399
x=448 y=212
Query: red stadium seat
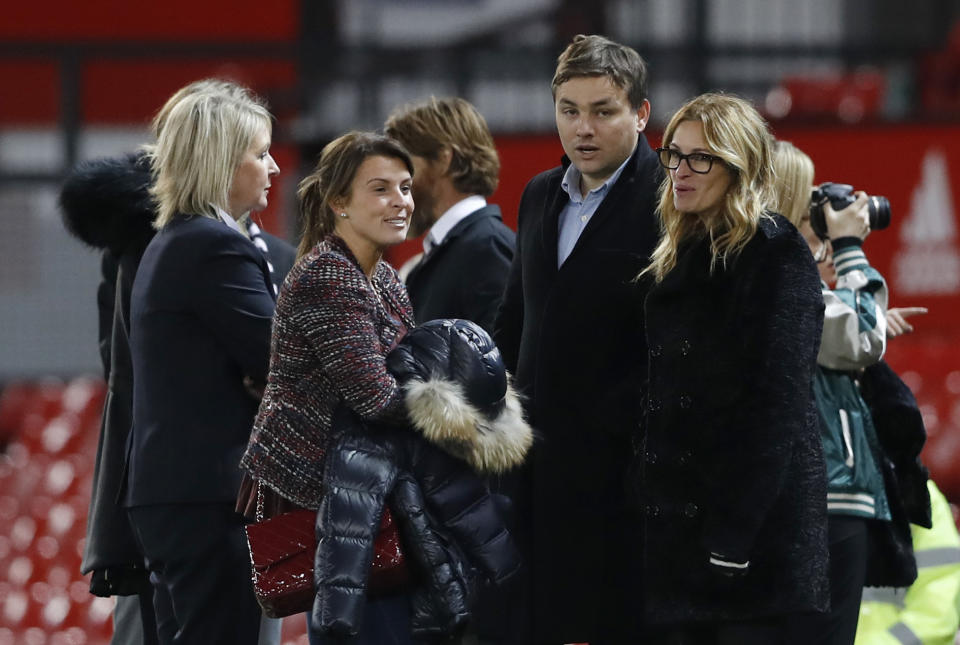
x=15 y=400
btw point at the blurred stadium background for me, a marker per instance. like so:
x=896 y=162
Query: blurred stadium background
x=869 y=88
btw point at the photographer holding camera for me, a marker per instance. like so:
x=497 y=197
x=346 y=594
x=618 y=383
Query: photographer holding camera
x=835 y=223
x=840 y=196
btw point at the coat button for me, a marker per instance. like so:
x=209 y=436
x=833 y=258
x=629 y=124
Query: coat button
x=691 y=510
x=686 y=401
x=684 y=458
x=653 y=404
x=685 y=347
x=651 y=457
x=652 y=510
x=656 y=351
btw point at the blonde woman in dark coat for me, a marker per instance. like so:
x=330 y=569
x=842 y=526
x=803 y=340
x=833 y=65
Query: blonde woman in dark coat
x=731 y=472
x=201 y=310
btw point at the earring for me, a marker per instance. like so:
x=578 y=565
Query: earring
x=344 y=215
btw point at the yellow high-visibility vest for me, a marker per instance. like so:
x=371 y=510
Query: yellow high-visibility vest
x=927 y=612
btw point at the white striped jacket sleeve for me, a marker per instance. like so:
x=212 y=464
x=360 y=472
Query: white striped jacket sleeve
x=855 y=324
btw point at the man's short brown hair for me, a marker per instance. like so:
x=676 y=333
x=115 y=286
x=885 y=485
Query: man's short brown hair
x=598 y=56
x=425 y=128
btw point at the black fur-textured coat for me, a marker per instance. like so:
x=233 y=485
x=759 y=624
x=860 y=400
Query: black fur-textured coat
x=465 y=422
x=900 y=430
x=731 y=473
x=106 y=204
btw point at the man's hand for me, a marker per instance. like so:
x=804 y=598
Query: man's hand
x=897 y=324
x=852 y=221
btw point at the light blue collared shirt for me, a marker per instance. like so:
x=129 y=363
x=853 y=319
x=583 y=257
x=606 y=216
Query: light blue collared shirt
x=579 y=209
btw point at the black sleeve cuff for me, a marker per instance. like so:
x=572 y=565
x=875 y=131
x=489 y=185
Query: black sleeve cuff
x=846 y=242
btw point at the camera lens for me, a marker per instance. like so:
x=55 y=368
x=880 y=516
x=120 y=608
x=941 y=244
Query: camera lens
x=841 y=196
x=879 y=208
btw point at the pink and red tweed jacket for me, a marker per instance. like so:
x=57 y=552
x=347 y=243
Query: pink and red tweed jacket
x=331 y=333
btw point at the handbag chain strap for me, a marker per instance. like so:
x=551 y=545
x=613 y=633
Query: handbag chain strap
x=259 y=501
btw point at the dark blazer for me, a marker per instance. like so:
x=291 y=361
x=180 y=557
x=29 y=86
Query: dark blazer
x=732 y=468
x=201 y=312
x=574 y=340
x=464 y=277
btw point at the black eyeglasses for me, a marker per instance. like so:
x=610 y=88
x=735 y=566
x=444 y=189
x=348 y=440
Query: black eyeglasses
x=698 y=162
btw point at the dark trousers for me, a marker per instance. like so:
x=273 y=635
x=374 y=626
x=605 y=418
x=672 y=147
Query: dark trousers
x=848 y=570
x=133 y=620
x=386 y=621
x=767 y=631
x=200 y=570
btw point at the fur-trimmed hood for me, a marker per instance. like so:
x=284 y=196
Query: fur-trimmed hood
x=106 y=202
x=490 y=443
x=458 y=394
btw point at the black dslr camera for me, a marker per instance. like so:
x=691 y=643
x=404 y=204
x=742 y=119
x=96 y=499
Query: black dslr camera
x=840 y=196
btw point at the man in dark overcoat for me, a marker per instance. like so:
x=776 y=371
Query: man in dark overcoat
x=467 y=247
x=571 y=330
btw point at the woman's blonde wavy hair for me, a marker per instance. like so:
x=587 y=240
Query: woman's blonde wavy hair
x=736 y=133
x=794 y=180
x=201 y=139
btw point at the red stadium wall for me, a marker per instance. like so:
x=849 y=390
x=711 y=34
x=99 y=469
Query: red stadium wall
x=126 y=86
x=122 y=20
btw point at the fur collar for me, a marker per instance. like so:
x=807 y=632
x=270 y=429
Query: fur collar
x=106 y=203
x=441 y=413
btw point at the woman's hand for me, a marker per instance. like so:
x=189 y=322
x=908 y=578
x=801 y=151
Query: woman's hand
x=897 y=324
x=852 y=221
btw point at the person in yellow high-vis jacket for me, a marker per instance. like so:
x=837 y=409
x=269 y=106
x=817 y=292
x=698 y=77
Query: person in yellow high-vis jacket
x=927 y=612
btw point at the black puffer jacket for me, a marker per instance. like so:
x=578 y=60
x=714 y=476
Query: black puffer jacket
x=465 y=422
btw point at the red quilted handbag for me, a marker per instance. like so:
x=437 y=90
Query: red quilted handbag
x=282 y=550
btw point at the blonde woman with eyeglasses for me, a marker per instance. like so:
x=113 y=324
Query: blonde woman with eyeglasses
x=731 y=469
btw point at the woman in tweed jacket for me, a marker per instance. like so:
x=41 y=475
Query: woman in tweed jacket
x=340 y=311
